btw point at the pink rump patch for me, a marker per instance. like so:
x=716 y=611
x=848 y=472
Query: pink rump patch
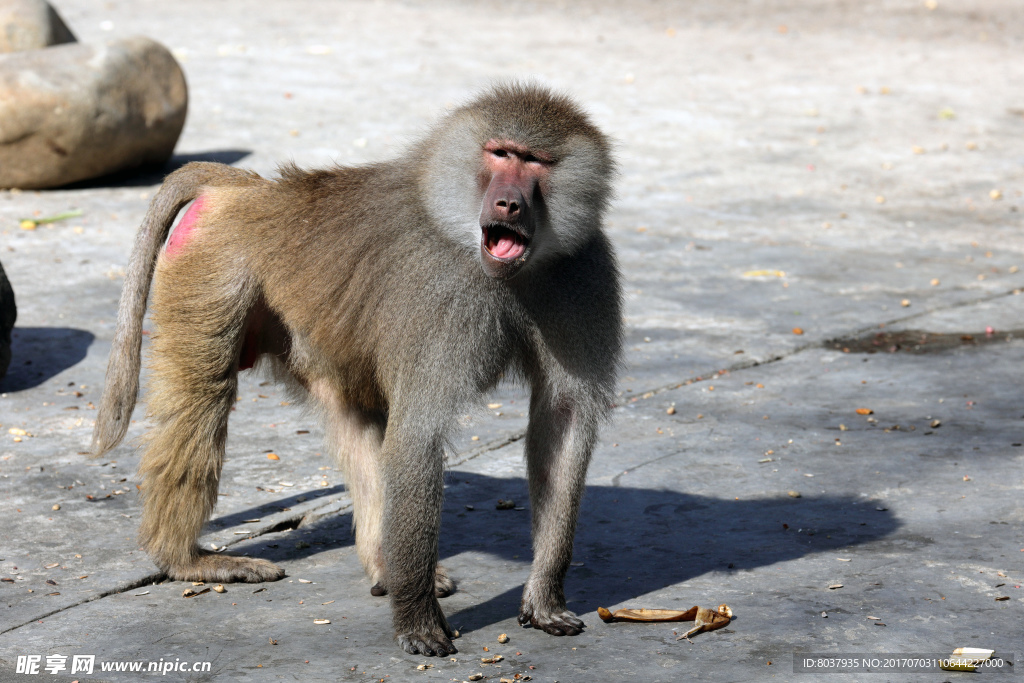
x=183 y=232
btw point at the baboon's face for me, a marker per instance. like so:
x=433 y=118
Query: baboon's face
x=514 y=180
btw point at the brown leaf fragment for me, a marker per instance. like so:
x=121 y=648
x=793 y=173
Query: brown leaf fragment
x=189 y=593
x=1005 y=597
x=505 y=504
x=272 y=641
x=864 y=411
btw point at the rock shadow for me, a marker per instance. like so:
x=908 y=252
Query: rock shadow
x=154 y=174
x=630 y=541
x=39 y=353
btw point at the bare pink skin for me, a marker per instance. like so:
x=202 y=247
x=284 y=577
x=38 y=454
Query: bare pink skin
x=183 y=232
x=511 y=176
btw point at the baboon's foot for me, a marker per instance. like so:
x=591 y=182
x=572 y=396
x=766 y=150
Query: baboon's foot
x=543 y=607
x=556 y=622
x=444 y=585
x=226 y=569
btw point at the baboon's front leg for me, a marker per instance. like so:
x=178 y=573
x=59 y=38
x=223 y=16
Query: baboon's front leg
x=356 y=439
x=413 y=471
x=559 y=442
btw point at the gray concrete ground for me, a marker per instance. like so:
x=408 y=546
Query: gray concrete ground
x=866 y=155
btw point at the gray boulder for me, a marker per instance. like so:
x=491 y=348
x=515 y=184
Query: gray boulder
x=31 y=25
x=8 y=314
x=73 y=112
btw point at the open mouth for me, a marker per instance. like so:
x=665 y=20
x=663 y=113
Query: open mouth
x=503 y=242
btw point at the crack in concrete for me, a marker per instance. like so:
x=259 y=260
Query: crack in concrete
x=147 y=580
x=493 y=445
x=744 y=365
x=617 y=477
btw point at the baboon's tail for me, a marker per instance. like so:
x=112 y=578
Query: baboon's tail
x=122 y=383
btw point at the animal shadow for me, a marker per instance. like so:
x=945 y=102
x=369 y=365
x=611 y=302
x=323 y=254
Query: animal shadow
x=630 y=541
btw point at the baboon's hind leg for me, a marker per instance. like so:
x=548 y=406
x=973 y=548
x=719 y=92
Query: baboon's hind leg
x=193 y=386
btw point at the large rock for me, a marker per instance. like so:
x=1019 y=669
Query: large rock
x=72 y=112
x=8 y=314
x=31 y=25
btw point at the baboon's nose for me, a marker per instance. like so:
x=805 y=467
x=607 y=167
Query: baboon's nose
x=506 y=208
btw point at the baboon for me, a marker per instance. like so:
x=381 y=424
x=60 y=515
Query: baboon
x=391 y=295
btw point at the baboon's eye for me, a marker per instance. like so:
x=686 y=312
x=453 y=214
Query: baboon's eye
x=500 y=153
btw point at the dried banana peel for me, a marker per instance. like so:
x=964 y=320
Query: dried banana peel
x=704 y=619
x=709 y=620
x=646 y=614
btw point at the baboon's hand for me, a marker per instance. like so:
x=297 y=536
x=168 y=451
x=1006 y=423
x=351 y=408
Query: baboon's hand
x=557 y=622
x=434 y=642
x=425 y=631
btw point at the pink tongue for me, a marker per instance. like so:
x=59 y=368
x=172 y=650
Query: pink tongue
x=506 y=247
